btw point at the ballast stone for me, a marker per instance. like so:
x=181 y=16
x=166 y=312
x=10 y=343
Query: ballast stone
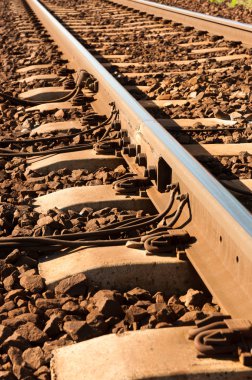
x=106 y=303
x=33 y=357
x=52 y=326
x=193 y=297
x=34 y=283
x=74 y=286
x=31 y=333
x=78 y=330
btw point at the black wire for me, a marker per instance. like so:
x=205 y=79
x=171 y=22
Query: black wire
x=178 y=213
x=46 y=152
x=89 y=131
x=24 y=102
x=41 y=241
x=53 y=239
x=43 y=139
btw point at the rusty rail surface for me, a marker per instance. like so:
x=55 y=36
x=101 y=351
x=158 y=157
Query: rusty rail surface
x=221 y=225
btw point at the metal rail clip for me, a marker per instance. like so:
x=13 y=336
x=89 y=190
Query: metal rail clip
x=131 y=185
x=165 y=241
x=219 y=335
x=107 y=147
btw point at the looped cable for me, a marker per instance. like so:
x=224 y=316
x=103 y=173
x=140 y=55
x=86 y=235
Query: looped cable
x=24 y=102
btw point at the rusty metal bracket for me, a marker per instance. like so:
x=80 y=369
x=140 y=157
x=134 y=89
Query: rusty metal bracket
x=220 y=335
x=79 y=99
x=90 y=82
x=132 y=185
x=107 y=147
x=165 y=241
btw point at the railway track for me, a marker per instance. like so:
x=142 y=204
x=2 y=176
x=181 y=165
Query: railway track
x=100 y=182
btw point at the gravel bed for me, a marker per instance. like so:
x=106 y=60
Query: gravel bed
x=36 y=320
x=223 y=9
x=17 y=126
x=19 y=188
x=21 y=220
x=226 y=167
x=219 y=134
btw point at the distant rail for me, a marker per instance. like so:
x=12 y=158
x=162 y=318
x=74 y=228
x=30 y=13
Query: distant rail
x=230 y=29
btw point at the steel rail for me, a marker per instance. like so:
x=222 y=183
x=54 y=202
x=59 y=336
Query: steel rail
x=233 y=30
x=217 y=20
x=222 y=226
